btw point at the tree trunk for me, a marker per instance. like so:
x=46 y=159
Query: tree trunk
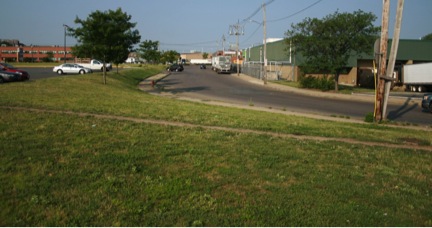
x=336 y=81
x=104 y=73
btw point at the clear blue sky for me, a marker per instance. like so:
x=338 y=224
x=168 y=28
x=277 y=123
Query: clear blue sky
x=194 y=24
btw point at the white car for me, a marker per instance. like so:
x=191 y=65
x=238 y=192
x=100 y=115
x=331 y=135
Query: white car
x=71 y=68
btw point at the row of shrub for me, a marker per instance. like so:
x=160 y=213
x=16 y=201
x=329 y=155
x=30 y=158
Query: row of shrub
x=321 y=83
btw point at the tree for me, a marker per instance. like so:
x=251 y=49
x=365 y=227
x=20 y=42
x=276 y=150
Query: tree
x=427 y=37
x=205 y=55
x=107 y=36
x=148 y=50
x=49 y=57
x=328 y=43
x=170 y=56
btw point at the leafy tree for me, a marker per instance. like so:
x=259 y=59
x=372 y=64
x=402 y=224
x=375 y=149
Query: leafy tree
x=5 y=43
x=107 y=36
x=328 y=43
x=148 y=50
x=121 y=56
x=170 y=56
x=205 y=55
x=49 y=57
x=427 y=37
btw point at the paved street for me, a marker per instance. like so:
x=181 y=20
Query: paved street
x=207 y=85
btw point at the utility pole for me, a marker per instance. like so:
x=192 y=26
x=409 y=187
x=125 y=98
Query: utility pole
x=65 y=28
x=223 y=43
x=237 y=30
x=383 y=60
x=265 y=43
x=393 y=54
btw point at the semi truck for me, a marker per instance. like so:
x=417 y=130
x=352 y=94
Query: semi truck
x=221 y=64
x=418 y=77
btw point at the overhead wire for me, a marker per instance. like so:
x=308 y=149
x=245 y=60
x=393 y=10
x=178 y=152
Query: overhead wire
x=280 y=19
x=257 y=10
x=291 y=15
x=252 y=34
x=248 y=19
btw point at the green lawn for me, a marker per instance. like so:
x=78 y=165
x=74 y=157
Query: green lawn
x=65 y=169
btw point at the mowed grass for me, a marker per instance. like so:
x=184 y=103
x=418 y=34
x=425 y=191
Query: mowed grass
x=69 y=170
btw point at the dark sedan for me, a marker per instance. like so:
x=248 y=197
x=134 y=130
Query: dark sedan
x=23 y=75
x=6 y=76
x=175 y=67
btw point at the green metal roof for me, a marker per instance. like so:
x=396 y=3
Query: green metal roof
x=417 y=50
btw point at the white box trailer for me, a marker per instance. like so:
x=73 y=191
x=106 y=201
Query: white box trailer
x=200 y=61
x=221 y=64
x=418 y=77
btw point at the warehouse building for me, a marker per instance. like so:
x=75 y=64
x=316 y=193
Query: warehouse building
x=359 y=71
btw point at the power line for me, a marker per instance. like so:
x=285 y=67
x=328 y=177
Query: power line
x=256 y=11
x=300 y=11
x=190 y=44
x=252 y=34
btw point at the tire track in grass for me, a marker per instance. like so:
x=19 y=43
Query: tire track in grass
x=228 y=129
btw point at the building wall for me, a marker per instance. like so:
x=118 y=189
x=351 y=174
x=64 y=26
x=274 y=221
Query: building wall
x=409 y=51
x=196 y=55
x=34 y=53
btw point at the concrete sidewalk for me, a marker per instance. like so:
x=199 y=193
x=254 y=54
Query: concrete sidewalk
x=152 y=80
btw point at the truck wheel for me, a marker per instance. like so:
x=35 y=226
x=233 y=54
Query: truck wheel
x=59 y=72
x=1 y=80
x=420 y=89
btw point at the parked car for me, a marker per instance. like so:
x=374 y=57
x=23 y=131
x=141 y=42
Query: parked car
x=175 y=67
x=24 y=75
x=202 y=66
x=6 y=76
x=71 y=68
x=427 y=102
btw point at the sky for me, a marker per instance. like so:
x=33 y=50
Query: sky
x=198 y=25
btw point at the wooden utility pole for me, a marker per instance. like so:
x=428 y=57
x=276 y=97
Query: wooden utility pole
x=383 y=60
x=265 y=43
x=393 y=55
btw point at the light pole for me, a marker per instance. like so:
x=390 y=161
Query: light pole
x=65 y=28
x=265 y=45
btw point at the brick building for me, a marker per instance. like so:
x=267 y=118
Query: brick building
x=35 y=53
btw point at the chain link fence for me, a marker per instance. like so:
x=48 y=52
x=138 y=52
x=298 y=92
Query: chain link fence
x=275 y=70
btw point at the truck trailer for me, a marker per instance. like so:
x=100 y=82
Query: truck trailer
x=200 y=61
x=221 y=64
x=418 y=77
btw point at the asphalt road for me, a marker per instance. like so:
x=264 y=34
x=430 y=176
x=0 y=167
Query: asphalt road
x=39 y=72
x=206 y=84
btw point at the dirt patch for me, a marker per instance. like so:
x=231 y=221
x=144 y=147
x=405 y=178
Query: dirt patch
x=228 y=129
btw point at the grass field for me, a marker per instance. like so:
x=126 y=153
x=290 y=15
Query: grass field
x=74 y=152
